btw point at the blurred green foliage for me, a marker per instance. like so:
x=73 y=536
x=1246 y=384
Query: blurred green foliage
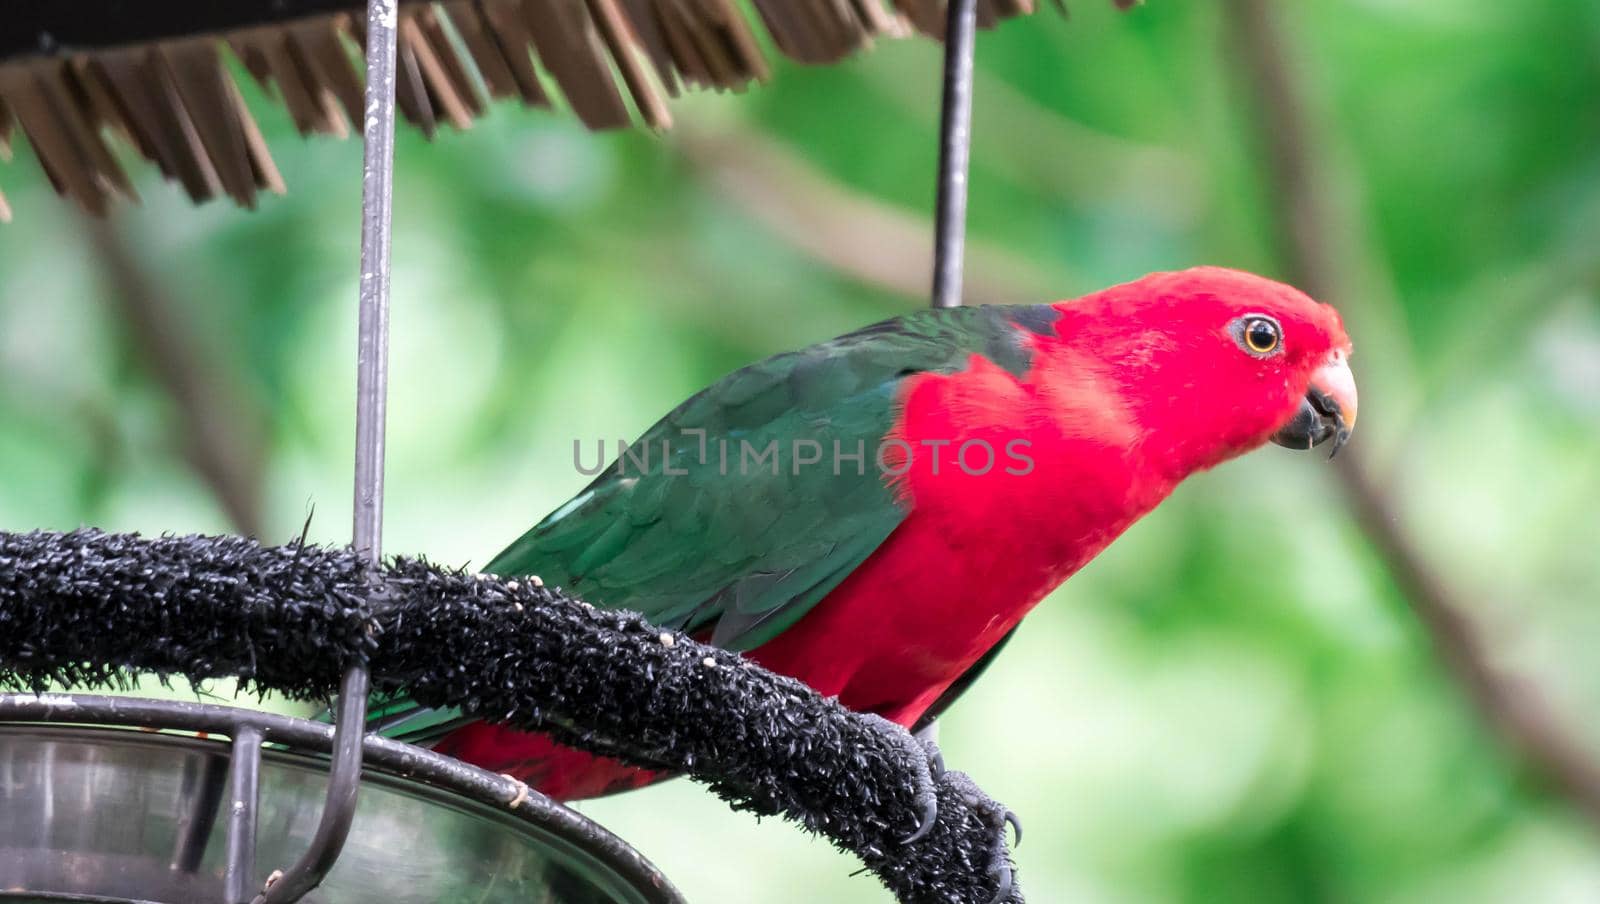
x=1233 y=704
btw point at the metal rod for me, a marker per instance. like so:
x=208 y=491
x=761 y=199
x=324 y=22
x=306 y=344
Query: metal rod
x=372 y=363
x=372 y=385
x=244 y=780
x=955 y=153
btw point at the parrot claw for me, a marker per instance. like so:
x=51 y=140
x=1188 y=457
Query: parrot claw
x=929 y=770
x=931 y=777
x=998 y=817
x=930 y=816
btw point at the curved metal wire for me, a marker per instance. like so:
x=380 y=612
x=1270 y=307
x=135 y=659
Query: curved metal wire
x=339 y=807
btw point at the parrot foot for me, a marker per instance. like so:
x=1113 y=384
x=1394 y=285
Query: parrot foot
x=998 y=817
x=931 y=778
x=929 y=766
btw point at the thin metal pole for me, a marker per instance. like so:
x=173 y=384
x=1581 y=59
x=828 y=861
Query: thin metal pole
x=244 y=781
x=372 y=385
x=955 y=153
x=372 y=365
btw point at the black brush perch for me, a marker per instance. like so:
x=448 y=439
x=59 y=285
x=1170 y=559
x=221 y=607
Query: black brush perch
x=92 y=609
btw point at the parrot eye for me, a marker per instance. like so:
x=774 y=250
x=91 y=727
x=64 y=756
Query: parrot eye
x=1258 y=334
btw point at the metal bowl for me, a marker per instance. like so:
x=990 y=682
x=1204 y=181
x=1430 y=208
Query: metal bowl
x=97 y=814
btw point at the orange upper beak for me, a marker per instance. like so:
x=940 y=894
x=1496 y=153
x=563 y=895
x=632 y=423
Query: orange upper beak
x=1327 y=412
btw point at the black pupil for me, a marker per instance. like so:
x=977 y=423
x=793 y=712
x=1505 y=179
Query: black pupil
x=1261 y=334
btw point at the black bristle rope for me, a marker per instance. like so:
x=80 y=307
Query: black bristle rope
x=93 y=609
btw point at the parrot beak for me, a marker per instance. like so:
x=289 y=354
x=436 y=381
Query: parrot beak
x=1327 y=412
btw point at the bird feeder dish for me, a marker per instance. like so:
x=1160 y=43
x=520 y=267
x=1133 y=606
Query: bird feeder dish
x=112 y=815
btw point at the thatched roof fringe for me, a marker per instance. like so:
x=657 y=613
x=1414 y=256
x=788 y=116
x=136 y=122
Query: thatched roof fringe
x=174 y=100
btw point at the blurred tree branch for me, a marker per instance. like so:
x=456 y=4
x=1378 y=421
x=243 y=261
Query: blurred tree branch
x=1300 y=195
x=219 y=432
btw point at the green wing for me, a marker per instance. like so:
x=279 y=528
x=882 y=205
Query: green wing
x=709 y=522
x=695 y=528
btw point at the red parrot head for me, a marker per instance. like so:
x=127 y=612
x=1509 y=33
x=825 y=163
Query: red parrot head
x=1212 y=362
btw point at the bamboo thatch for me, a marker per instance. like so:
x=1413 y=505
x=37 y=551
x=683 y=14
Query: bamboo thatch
x=76 y=76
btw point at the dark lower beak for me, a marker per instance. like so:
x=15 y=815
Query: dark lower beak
x=1328 y=411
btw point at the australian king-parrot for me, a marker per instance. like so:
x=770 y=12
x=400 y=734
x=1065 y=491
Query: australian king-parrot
x=874 y=514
